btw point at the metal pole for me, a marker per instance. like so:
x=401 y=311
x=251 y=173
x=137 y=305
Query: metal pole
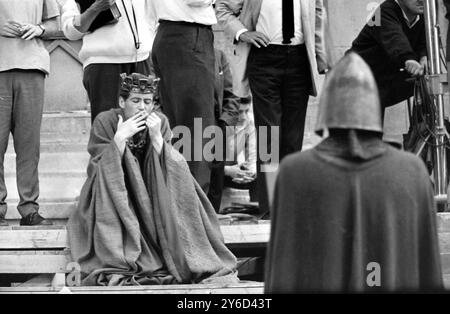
x=440 y=154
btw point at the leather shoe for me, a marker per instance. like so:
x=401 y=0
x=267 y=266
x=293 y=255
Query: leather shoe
x=34 y=219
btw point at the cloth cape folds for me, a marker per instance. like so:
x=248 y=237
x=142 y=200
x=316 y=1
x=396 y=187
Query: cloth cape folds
x=144 y=226
x=353 y=218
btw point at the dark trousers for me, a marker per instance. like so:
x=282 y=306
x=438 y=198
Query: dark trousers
x=251 y=187
x=102 y=83
x=280 y=81
x=219 y=181
x=183 y=57
x=21 y=106
x=216 y=184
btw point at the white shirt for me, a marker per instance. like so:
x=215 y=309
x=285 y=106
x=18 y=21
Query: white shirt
x=192 y=11
x=113 y=43
x=270 y=22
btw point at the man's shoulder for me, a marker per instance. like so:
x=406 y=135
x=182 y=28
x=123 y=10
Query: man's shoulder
x=298 y=159
x=109 y=116
x=391 y=7
x=390 y=4
x=161 y=115
x=400 y=160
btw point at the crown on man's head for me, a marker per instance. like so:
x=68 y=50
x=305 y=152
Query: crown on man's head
x=139 y=83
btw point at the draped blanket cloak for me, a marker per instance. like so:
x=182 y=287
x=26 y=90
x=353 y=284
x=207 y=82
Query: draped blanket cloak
x=144 y=226
x=343 y=223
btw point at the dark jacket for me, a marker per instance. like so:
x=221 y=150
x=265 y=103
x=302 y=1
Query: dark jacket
x=226 y=103
x=388 y=43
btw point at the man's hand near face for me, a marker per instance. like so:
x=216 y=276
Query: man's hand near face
x=154 y=130
x=127 y=129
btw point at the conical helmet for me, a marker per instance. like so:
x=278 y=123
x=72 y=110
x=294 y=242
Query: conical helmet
x=350 y=99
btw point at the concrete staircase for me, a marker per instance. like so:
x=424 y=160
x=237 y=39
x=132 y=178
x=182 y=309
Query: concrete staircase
x=62 y=171
x=62 y=167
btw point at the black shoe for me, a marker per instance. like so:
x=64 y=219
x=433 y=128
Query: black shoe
x=3 y=222
x=34 y=219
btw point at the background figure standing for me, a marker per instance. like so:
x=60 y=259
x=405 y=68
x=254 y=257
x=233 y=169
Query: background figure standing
x=226 y=110
x=353 y=214
x=24 y=63
x=240 y=171
x=123 y=47
x=398 y=43
x=183 y=57
x=279 y=49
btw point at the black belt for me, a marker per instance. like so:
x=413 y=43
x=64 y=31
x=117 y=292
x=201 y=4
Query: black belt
x=286 y=47
x=183 y=23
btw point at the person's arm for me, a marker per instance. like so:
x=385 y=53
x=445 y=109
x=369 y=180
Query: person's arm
x=230 y=107
x=48 y=25
x=69 y=11
x=423 y=53
x=75 y=25
x=321 y=56
x=227 y=12
x=49 y=18
x=85 y=20
x=392 y=38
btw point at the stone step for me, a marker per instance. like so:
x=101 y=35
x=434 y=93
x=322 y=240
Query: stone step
x=62 y=132
x=52 y=188
x=447 y=282
x=443 y=222
x=66 y=122
x=445 y=263
x=57 y=211
x=59 y=163
x=444 y=242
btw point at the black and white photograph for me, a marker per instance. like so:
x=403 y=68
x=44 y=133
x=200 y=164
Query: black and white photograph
x=238 y=148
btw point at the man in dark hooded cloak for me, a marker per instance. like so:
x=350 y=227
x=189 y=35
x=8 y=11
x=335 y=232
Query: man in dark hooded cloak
x=353 y=214
x=142 y=218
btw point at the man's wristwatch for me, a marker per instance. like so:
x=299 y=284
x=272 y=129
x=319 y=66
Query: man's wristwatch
x=41 y=26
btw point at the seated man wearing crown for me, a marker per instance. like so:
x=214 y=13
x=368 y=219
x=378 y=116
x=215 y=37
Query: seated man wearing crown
x=142 y=218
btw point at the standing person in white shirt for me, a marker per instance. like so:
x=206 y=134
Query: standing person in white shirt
x=122 y=47
x=24 y=65
x=183 y=57
x=279 y=52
